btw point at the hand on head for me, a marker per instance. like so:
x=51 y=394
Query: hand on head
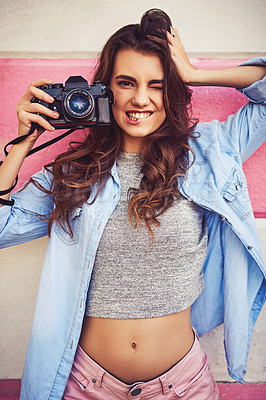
x=179 y=56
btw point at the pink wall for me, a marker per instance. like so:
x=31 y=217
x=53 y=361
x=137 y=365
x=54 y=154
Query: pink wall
x=209 y=103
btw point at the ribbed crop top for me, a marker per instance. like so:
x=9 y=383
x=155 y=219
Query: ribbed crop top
x=132 y=278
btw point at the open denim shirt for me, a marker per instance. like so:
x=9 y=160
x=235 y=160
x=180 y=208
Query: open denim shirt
x=233 y=270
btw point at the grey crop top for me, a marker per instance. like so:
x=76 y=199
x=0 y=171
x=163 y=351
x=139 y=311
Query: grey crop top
x=132 y=278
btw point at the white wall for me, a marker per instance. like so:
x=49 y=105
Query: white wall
x=80 y=27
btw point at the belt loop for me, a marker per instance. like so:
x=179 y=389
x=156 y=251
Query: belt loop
x=164 y=383
x=99 y=379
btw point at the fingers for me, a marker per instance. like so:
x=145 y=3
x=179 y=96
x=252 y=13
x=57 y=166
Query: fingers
x=34 y=91
x=173 y=37
x=28 y=112
x=174 y=32
x=40 y=109
x=185 y=69
x=26 y=118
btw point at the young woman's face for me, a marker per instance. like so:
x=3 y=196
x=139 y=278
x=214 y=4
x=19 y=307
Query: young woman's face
x=137 y=84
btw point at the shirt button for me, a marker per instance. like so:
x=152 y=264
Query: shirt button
x=94 y=380
x=250 y=247
x=223 y=219
x=114 y=196
x=189 y=198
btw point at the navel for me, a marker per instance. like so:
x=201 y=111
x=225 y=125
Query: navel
x=134 y=345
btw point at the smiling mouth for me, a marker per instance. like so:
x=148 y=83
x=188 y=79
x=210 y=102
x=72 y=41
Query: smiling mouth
x=134 y=116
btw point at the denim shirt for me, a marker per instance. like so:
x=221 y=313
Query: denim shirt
x=233 y=270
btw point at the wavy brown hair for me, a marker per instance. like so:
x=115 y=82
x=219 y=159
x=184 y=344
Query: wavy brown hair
x=81 y=172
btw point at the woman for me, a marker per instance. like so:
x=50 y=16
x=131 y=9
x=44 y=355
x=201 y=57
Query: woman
x=137 y=214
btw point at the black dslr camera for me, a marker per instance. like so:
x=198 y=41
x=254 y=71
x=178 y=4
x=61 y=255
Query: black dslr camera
x=79 y=104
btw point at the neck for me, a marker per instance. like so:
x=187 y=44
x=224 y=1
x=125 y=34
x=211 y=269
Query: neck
x=131 y=144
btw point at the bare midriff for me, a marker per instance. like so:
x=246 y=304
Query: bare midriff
x=136 y=350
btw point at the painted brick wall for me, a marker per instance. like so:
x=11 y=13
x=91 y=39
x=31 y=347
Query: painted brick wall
x=209 y=103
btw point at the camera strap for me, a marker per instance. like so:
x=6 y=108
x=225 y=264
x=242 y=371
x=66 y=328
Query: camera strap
x=19 y=139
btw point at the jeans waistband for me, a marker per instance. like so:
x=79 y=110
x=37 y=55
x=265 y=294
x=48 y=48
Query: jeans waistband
x=185 y=371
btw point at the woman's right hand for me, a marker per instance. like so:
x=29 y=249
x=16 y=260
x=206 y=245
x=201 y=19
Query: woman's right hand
x=28 y=112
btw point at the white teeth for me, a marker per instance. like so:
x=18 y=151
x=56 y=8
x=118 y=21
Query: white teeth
x=135 y=116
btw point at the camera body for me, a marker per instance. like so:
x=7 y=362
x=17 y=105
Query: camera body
x=79 y=104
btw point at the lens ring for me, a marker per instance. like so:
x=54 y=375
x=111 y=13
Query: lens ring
x=79 y=103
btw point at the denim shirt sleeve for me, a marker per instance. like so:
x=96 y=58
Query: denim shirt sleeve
x=245 y=131
x=256 y=92
x=27 y=219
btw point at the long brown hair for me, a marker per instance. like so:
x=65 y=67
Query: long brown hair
x=165 y=152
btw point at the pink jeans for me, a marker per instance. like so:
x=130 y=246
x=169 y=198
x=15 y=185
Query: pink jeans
x=189 y=379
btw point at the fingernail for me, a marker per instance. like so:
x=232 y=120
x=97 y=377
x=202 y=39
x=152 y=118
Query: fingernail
x=55 y=114
x=51 y=99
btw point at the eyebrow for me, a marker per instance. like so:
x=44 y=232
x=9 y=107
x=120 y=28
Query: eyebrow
x=151 y=82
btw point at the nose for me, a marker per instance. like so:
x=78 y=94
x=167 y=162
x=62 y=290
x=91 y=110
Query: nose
x=140 y=97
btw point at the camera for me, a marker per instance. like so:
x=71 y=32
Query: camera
x=79 y=104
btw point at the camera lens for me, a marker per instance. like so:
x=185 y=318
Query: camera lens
x=79 y=103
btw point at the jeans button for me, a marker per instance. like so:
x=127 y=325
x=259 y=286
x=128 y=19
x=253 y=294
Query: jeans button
x=135 y=392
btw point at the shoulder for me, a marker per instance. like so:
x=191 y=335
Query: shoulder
x=241 y=133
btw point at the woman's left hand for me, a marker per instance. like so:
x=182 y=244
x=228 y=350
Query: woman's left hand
x=184 y=67
x=237 y=77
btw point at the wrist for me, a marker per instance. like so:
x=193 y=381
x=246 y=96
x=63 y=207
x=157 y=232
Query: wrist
x=192 y=77
x=23 y=146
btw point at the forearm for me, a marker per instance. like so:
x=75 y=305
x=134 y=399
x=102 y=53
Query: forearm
x=237 y=77
x=11 y=166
